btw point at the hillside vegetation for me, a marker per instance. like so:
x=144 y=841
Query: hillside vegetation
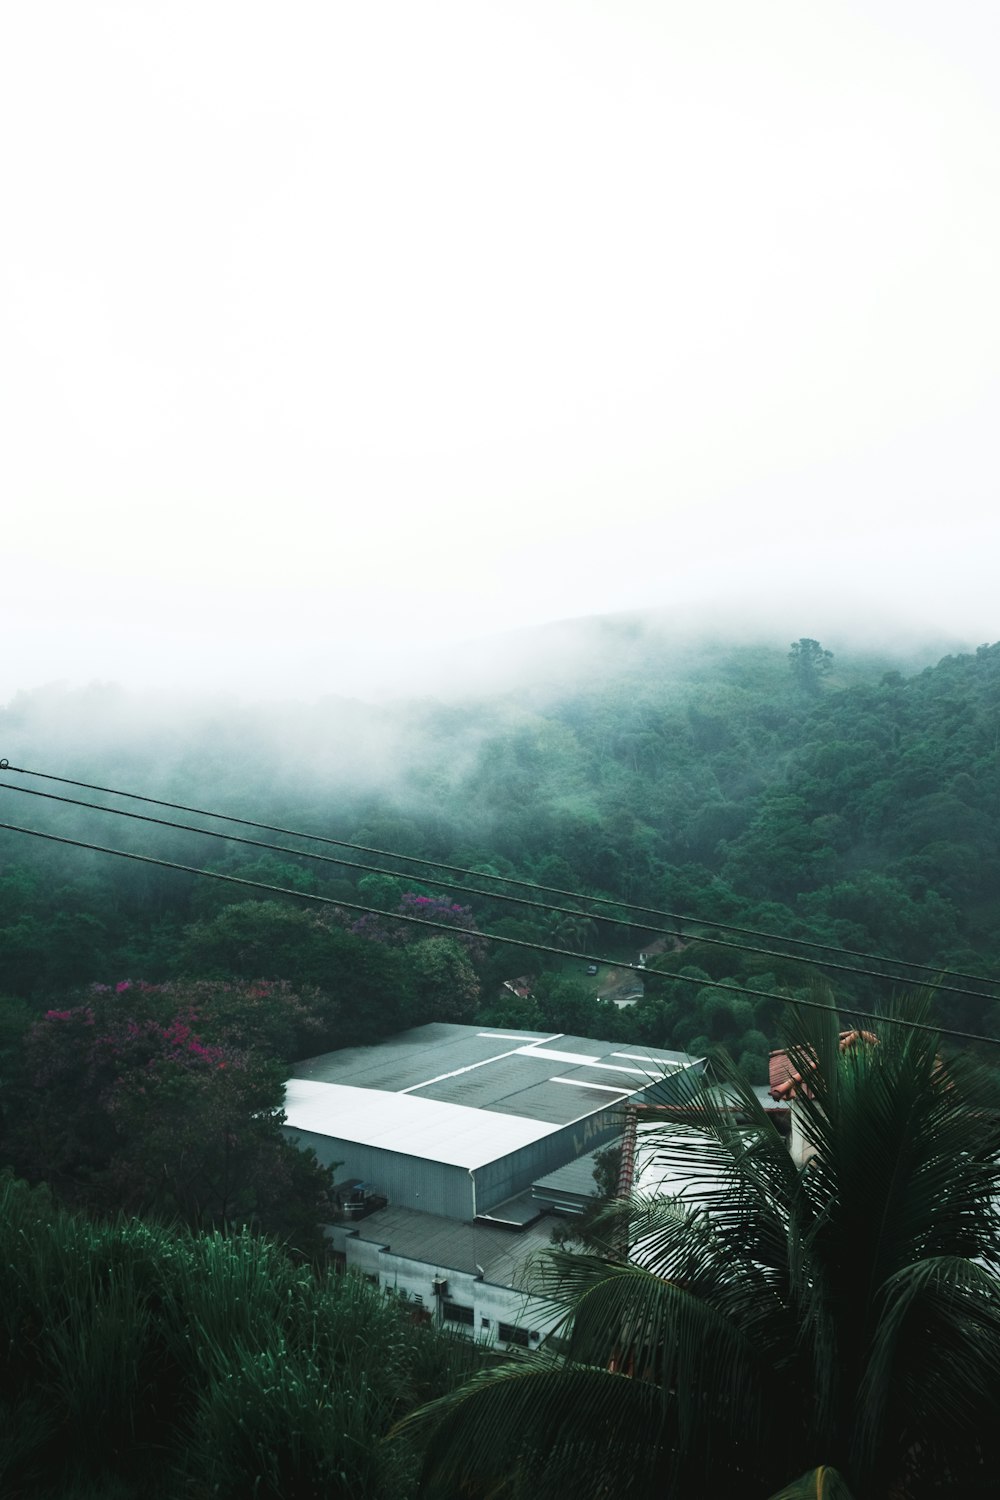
x=150 y=1014
x=141 y=1360
x=851 y=803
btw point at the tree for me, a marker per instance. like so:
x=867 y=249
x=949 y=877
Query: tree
x=140 y=1359
x=444 y=982
x=382 y=891
x=513 y=1012
x=845 y=1313
x=248 y=939
x=363 y=987
x=124 y=1103
x=415 y=908
x=809 y=664
x=565 y=1005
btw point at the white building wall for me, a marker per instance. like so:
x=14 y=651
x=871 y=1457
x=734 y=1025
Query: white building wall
x=491 y=1303
x=799 y=1146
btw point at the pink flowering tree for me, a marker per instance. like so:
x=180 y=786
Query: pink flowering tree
x=127 y=1103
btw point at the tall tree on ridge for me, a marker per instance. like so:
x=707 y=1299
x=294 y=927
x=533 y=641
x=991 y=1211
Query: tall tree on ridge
x=809 y=663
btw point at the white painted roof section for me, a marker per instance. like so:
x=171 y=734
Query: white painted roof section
x=510 y=1036
x=553 y=1054
x=481 y=1062
x=580 y=1059
x=618 y=1090
x=430 y=1129
x=658 y=1064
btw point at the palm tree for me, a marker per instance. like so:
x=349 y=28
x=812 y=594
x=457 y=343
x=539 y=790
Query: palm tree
x=769 y=1319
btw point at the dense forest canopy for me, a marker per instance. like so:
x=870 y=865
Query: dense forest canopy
x=840 y=798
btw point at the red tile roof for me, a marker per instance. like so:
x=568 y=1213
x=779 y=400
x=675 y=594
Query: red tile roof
x=784 y=1078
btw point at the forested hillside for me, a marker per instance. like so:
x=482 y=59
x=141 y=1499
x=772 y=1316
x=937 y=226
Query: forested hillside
x=706 y=807
x=843 y=800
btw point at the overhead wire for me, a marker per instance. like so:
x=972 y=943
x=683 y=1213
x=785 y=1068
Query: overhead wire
x=937 y=976
x=603 y=901
x=491 y=895
x=741 y=990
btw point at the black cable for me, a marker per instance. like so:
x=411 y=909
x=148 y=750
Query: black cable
x=474 y=891
x=166 y=864
x=935 y=974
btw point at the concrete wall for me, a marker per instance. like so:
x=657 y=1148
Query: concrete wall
x=801 y=1149
x=491 y=1303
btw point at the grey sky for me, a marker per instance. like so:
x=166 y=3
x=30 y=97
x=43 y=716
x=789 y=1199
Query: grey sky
x=333 y=332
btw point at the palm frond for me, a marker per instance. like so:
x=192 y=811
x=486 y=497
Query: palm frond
x=570 y=1432
x=934 y=1356
x=538 y=1426
x=818 y=1484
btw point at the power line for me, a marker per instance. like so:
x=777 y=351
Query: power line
x=825 y=963
x=847 y=1010
x=529 y=885
x=467 y=890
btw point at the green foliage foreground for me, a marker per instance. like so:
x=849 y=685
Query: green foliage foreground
x=135 y=1359
x=774 y=1318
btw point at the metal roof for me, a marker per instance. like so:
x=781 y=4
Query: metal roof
x=541 y=1077
x=412 y=1058
x=408 y=1125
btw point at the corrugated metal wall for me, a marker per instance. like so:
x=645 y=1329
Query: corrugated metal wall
x=515 y=1173
x=508 y=1175
x=409 y=1181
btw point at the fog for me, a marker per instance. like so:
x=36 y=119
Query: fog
x=342 y=346
x=441 y=730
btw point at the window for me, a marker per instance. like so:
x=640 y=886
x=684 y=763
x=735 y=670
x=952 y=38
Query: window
x=508 y=1334
x=454 y=1312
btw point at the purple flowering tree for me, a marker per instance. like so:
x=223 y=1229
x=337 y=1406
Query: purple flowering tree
x=458 y=919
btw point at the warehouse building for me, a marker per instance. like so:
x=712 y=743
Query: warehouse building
x=453 y=1120
x=456 y=1133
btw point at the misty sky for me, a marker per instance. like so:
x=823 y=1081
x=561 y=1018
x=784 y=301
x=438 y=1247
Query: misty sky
x=334 y=332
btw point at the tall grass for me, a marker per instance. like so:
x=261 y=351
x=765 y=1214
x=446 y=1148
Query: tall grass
x=135 y=1359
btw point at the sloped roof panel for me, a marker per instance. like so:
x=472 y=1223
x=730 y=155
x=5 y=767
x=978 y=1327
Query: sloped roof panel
x=430 y=1129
